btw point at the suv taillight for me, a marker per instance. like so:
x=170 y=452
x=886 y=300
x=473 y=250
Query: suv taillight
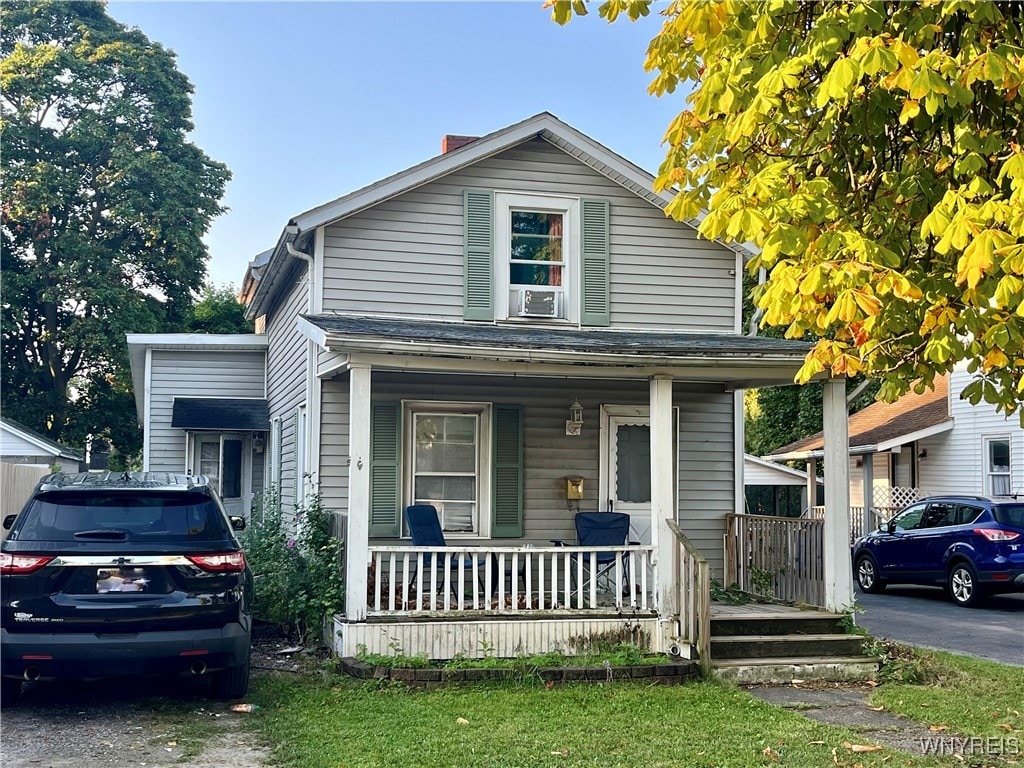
x=227 y=562
x=997 y=534
x=22 y=564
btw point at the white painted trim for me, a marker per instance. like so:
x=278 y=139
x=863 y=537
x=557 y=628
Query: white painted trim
x=331 y=364
x=663 y=488
x=317 y=295
x=680 y=371
x=911 y=437
x=836 y=550
x=739 y=455
x=776 y=467
x=485 y=425
x=313 y=332
x=357 y=538
x=241 y=341
x=738 y=295
x=569 y=207
x=147 y=399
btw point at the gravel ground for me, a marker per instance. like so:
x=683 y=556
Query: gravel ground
x=136 y=722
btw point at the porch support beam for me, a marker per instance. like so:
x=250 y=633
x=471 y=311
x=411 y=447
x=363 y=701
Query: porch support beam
x=357 y=535
x=868 y=465
x=811 y=484
x=837 y=566
x=662 y=490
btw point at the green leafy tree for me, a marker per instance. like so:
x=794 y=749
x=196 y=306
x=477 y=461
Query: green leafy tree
x=218 y=310
x=874 y=152
x=105 y=202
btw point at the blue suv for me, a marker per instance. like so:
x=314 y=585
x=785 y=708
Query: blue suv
x=972 y=545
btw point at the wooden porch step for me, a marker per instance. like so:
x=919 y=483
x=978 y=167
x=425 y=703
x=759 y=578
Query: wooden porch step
x=764 y=623
x=773 y=646
x=781 y=671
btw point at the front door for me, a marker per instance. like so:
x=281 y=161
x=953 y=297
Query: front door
x=224 y=458
x=625 y=484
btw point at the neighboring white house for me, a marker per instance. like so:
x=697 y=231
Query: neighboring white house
x=511 y=331
x=926 y=444
x=775 y=489
x=21 y=445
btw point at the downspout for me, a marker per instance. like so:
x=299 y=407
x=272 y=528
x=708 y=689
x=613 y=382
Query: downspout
x=311 y=411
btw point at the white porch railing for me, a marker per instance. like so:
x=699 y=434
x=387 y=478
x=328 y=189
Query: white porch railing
x=409 y=580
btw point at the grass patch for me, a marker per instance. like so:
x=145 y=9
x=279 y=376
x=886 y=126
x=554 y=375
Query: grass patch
x=972 y=697
x=314 y=725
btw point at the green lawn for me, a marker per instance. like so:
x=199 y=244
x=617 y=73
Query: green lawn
x=971 y=697
x=343 y=723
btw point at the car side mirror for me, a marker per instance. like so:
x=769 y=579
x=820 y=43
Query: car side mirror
x=9 y=521
x=237 y=523
x=891 y=526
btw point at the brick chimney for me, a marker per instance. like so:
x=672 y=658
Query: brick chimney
x=450 y=143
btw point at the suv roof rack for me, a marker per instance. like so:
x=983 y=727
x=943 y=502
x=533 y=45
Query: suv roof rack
x=168 y=481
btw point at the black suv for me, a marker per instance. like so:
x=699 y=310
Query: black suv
x=108 y=574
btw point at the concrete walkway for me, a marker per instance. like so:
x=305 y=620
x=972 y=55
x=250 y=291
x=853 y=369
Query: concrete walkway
x=849 y=706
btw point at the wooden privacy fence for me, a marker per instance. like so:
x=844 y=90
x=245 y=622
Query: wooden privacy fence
x=776 y=557
x=18 y=482
x=691 y=595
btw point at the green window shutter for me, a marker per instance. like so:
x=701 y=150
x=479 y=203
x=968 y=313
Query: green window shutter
x=385 y=465
x=479 y=241
x=507 y=506
x=594 y=306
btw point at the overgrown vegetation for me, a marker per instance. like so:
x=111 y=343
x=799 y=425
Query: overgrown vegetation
x=299 y=584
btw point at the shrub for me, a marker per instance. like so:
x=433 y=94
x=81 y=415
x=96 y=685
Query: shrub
x=299 y=584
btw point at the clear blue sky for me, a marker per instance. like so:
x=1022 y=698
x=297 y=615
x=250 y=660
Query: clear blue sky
x=305 y=102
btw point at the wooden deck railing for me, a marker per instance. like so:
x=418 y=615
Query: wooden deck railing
x=782 y=556
x=408 y=579
x=692 y=595
x=879 y=516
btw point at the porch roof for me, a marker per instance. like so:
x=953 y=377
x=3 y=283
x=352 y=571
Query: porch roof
x=738 y=360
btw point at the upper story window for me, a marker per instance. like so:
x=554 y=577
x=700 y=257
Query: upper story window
x=537 y=246
x=997 y=466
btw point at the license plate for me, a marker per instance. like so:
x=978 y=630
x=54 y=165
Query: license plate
x=122 y=580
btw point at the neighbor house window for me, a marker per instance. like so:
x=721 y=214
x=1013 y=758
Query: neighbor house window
x=536 y=243
x=448 y=450
x=997 y=464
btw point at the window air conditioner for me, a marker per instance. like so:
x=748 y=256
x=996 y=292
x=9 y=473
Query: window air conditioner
x=533 y=303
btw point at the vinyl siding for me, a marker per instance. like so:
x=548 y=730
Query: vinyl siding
x=706 y=468
x=755 y=474
x=405 y=256
x=194 y=374
x=287 y=371
x=956 y=461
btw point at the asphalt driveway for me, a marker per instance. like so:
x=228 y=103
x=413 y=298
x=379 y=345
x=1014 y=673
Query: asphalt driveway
x=925 y=616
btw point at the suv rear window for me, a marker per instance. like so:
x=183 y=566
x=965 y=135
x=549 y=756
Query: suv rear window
x=125 y=515
x=1009 y=514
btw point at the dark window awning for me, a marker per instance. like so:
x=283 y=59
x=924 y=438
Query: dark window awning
x=221 y=414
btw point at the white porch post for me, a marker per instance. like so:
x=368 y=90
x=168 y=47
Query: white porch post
x=811 y=484
x=868 y=465
x=837 y=566
x=357 y=537
x=662 y=490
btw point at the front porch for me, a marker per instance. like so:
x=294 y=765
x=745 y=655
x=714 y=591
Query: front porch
x=472 y=421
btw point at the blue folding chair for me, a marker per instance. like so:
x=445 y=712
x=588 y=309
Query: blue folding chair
x=601 y=529
x=425 y=530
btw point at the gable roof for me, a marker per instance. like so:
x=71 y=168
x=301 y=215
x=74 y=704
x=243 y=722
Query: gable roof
x=45 y=444
x=544 y=125
x=882 y=426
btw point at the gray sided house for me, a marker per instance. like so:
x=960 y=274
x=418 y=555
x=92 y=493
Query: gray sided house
x=512 y=332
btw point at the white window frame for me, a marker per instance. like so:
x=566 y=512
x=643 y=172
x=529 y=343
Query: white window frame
x=569 y=207
x=987 y=458
x=410 y=408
